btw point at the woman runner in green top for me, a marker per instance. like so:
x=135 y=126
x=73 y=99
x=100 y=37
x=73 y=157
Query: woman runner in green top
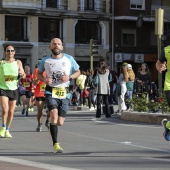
x=10 y=69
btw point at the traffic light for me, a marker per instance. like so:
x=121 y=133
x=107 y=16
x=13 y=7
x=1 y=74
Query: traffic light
x=93 y=50
x=93 y=47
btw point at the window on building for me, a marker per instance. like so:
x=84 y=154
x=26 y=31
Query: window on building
x=89 y=4
x=15 y=28
x=92 y=5
x=128 y=38
x=137 y=4
x=86 y=30
x=86 y=5
x=58 y=4
x=51 y=3
x=50 y=28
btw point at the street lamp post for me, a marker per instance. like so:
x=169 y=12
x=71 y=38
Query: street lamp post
x=112 y=57
x=159 y=21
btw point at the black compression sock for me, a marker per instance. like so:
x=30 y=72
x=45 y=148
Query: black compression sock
x=54 y=132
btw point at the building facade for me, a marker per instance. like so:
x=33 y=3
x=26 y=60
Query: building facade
x=30 y=25
x=136 y=42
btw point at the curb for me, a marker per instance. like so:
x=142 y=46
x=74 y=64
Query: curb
x=144 y=117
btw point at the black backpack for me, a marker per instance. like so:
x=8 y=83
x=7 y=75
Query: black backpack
x=91 y=83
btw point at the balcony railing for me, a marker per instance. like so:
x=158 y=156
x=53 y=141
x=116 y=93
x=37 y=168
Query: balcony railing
x=62 y=4
x=24 y=4
x=99 y=6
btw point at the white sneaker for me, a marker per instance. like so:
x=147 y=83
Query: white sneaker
x=91 y=109
x=96 y=119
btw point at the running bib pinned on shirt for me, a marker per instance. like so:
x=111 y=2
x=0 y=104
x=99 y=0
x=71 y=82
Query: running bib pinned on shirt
x=59 y=92
x=27 y=84
x=8 y=78
x=42 y=87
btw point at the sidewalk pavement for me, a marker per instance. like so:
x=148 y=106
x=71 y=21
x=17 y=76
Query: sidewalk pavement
x=143 y=117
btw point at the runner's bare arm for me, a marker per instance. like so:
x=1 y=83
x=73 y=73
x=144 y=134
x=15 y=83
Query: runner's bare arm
x=20 y=68
x=75 y=74
x=47 y=80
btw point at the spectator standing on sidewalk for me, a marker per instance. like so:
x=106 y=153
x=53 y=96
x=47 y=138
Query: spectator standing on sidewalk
x=103 y=88
x=129 y=85
x=144 y=78
x=162 y=65
x=122 y=79
x=60 y=69
x=80 y=82
x=90 y=87
x=10 y=70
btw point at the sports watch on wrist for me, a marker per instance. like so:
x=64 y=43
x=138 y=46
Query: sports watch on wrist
x=70 y=78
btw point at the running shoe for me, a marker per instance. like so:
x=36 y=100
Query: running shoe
x=166 y=132
x=92 y=109
x=39 y=128
x=23 y=111
x=31 y=109
x=7 y=134
x=2 y=132
x=57 y=148
x=164 y=121
x=47 y=124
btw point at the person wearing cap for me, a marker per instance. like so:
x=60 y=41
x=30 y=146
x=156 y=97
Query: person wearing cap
x=124 y=63
x=129 y=84
x=162 y=65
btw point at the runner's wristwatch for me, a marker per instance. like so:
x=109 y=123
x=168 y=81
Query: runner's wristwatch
x=70 y=78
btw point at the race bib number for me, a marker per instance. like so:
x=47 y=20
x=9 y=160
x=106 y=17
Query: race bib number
x=42 y=87
x=59 y=92
x=8 y=78
x=27 y=84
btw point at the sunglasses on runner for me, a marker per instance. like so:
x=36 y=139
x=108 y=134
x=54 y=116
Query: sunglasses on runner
x=10 y=51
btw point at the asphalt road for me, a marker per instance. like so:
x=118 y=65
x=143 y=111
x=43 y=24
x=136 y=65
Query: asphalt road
x=108 y=144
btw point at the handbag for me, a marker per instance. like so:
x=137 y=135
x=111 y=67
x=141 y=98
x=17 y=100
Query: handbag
x=85 y=94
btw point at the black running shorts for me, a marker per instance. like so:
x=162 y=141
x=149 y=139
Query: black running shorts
x=11 y=94
x=40 y=99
